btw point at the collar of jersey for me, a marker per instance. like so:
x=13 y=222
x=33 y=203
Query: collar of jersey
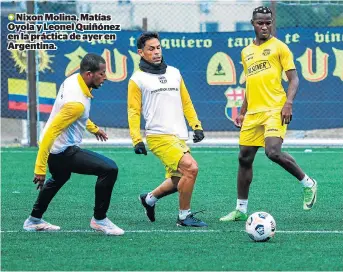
x=261 y=45
x=86 y=91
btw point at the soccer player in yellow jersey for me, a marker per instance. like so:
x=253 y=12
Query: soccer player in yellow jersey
x=159 y=92
x=59 y=149
x=266 y=111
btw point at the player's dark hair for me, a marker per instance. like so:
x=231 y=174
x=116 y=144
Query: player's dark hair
x=91 y=62
x=262 y=10
x=145 y=36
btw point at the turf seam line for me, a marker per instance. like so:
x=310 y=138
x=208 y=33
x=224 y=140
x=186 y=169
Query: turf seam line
x=190 y=231
x=194 y=151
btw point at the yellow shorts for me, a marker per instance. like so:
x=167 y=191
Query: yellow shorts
x=256 y=127
x=169 y=149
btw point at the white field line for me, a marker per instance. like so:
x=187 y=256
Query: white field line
x=195 y=152
x=193 y=231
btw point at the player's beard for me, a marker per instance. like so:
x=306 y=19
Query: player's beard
x=93 y=86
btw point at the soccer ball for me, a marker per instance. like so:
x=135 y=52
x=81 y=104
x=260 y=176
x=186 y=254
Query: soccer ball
x=260 y=226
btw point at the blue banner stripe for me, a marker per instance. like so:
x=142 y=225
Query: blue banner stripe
x=23 y=98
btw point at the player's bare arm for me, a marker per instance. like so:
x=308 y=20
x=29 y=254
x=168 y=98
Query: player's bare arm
x=293 y=79
x=239 y=119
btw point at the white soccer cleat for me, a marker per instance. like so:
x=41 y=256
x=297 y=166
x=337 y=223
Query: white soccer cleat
x=41 y=225
x=106 y=226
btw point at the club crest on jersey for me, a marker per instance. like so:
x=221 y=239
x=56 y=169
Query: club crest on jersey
x=266 y=52
x=162 y=79
x=235 y=99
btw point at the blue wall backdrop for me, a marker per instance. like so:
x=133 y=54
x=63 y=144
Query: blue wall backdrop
x=209 y=63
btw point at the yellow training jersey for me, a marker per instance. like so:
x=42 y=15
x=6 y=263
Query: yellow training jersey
x=263 y=66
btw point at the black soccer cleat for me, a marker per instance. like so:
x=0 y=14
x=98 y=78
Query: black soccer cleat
x=149 y=210
x=190 y=221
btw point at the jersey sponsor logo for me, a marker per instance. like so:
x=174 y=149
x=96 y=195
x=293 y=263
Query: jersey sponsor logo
x=165 y=90
x=162 y=79
x=249 y=57
x=258 y=66
x=266 y=52
x=272 y=129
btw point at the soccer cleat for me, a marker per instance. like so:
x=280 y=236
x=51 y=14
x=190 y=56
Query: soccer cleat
x=106 y=226
x=149 y=210
x=190 y=221
x=236 y=215
x=41 y=225
x=310 y=196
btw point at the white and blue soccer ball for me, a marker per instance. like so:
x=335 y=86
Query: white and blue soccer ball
x=260 y=226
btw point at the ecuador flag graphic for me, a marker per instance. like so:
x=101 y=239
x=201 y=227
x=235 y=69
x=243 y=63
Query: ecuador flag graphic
x=17 y=95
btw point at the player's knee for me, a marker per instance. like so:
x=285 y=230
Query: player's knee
x=273 y=154
x=112 y=170
x=245 y=159
x=50 y=183
x=57 y=182
x=194 y=169
x=191 y=169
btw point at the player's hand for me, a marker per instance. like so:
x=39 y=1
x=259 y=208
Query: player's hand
x=101 y=135
x=286 y=113
x=239 y=121
x=140 y=149
x=39 y=180
x=198 y=136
